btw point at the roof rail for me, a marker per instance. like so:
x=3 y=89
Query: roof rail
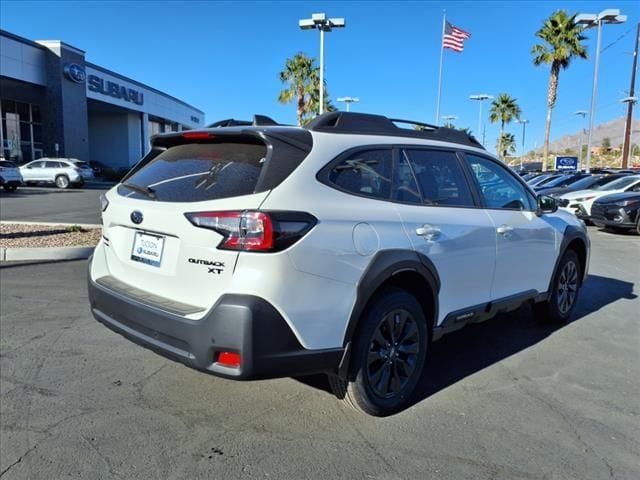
x=258 y=121
x=369 y=124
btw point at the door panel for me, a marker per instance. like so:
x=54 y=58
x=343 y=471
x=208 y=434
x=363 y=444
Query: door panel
x=526 y=245
x=443 y=223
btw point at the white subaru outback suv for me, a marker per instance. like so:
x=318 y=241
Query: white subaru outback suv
x=344 y=247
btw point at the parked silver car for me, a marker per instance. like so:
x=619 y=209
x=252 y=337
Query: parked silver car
x=62 y=172
x=10 y=177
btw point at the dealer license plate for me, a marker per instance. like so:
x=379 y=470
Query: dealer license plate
x=147 y=248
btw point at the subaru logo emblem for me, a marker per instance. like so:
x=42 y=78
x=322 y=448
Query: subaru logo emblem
x=136 y=217
x=75 y=73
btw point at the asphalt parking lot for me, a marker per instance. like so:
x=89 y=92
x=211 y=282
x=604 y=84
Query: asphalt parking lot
x=507 y=399
x=49 y=204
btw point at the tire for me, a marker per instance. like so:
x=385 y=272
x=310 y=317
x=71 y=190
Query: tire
x=388 y=356
x=638 y=224
x=565 y=288
x=62 y=181
x=10 y=188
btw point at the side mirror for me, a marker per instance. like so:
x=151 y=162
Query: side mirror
x=546 y=204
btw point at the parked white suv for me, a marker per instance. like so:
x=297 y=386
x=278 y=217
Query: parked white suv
x=580 y=202
x=344 y=247
x=63 y=172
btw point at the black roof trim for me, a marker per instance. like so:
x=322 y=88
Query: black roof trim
x=370 y=124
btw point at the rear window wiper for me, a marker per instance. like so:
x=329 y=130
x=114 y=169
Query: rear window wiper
x=146 y=191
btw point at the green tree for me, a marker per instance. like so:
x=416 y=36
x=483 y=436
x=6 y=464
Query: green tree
x=506 y=144
x=562 y=42
x=504 y=109
x=301 y=77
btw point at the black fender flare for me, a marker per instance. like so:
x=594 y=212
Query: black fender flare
x=570 y=234
x=383 y=266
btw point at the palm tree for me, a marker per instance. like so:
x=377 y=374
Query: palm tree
x=504 y=109
x=562 y=42
x=301 y=75
x=506 y=144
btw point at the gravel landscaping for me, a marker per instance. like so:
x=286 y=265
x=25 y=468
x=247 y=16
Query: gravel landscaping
x=20 y=235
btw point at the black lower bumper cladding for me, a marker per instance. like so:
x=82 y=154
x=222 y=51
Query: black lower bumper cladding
x=243 y=324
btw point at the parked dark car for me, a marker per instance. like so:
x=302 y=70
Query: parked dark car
x=562 y=181
x=618 y=211
x=588 y=182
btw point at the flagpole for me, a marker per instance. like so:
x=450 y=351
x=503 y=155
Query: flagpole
x=444 y=20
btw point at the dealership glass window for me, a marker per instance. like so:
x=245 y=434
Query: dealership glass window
x=18 y=139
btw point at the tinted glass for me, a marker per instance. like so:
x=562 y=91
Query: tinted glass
x=366 y=173
x=37 y=165
x=81 y=164
x=587 y=182
x=53 y=165
x=620 y=183
x=405 y=186
x=198 y=172
x=5 y=164
x=499 y=188
x=440 y=178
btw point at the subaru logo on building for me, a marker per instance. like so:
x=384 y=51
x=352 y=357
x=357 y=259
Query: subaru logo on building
x=75 y=73
x=136 y=217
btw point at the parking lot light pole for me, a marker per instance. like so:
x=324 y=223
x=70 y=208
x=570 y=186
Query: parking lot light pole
x=481 y=98
x=628 y=128
x=324 y=24
x=348 y=100
x=589 y=20
x=583 y=114
x=524 y=126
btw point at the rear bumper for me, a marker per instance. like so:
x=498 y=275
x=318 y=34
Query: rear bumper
x=242 y=324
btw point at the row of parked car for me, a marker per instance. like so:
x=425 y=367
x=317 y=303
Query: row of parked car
x=62 y=172
x=608 y=199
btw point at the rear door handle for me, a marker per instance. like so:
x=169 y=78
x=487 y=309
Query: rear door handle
x=504 y=230
x=428 y=232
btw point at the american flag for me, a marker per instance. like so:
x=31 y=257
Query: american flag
x=454 y=37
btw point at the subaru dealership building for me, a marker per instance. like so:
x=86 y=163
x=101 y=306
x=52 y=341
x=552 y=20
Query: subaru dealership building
x=55 y=103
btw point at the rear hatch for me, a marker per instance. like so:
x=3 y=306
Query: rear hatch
x=152 y=241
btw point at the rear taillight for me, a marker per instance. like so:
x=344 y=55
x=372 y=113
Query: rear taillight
x=253 y=230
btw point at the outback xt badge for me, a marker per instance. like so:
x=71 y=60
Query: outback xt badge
x=214 y=267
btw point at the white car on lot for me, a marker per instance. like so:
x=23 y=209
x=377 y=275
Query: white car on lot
x=343 y=247
x=62 y=172
x=580 y=202
x=10 y=177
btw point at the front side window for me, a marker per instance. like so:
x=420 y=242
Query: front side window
x=367 y=173
x=499 y=188
x=440 y=178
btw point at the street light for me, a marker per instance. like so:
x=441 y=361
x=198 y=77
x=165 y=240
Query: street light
x=524 y=125
x=583 y=114
x=324 y=24
x=481 y=97
x=629 y=128
x=589 y=20
x=348 y=101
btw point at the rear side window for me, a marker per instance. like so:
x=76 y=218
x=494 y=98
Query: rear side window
x=367 y=173
x=54 y=165
x=440 y=178
x=198 y=171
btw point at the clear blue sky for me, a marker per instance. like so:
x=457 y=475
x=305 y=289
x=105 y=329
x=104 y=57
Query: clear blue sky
x=224 y=57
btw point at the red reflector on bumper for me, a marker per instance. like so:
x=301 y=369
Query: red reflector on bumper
x=229 y=359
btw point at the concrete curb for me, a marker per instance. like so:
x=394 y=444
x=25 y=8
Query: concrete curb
x=50 y=224
x=45 y=253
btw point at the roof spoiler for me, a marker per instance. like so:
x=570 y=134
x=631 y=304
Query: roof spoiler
x=258 y=121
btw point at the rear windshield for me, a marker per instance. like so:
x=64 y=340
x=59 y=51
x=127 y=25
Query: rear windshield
x=81 y=164
x=197 y=172
x=5 y=164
